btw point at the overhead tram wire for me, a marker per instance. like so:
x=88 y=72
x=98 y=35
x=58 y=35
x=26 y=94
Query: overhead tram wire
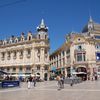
x=12 y=3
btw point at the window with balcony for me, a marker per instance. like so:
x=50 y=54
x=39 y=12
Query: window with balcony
x=21 y=54
x=8 y=57
x=3 y=56
x=28 y=53
x=80 y=57
x=38 y=52
x=14 y=55
x=38 y=67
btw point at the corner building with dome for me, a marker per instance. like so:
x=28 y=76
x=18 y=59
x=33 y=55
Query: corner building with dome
x=80 y=54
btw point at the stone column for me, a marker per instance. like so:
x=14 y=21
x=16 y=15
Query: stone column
x=65 y=72
x=42 y=55
x=42 y=72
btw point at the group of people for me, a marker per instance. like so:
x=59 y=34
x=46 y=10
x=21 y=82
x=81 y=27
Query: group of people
x=60 y=81
x=31 y=82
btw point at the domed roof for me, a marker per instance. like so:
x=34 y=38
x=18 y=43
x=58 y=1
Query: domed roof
x=91 y=25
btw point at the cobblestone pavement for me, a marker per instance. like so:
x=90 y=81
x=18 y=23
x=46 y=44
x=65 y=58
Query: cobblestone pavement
x=89 y=90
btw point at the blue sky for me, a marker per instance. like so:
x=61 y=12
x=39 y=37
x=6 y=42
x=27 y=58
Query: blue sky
x=61 y=16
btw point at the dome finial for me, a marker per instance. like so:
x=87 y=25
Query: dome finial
x=42 y=22
x=90 y=19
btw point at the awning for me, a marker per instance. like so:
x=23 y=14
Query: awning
x=78 y=73
x=53 y=68
x=2 y=72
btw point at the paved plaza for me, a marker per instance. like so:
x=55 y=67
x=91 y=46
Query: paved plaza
x=89 y=90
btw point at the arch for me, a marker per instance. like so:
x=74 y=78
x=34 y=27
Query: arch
x=82 y=73
x=81 y=69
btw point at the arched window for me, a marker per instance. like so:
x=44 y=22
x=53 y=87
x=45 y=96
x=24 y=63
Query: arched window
x=45 y=36
x=29 y=38
x=39 y=36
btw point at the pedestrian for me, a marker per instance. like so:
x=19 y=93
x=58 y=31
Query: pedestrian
x=29 y=82
x=62 y=81
x=71 y=81
x=58 y=82
x=34 y=81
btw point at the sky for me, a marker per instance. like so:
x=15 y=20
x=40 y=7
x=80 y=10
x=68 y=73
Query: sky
x=61 y=16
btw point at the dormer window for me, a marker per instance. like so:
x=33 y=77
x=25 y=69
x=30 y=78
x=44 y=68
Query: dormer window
x=4 y=43
x=10 y=41
x=16 y=41
x=29 y=38
x=22 y=38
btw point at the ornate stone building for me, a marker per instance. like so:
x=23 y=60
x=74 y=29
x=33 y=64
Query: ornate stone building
x=80 y=53
x=25 y=55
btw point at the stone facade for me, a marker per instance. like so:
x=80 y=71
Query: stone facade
x=80 y=53
x=26 y=55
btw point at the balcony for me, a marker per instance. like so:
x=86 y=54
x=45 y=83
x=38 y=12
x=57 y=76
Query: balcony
x=28 y=71
x=80 y=62
x=79 y=50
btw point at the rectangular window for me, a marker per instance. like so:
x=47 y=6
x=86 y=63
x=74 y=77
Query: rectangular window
x=38 y=67
x=20 y=69
x=14 y=69
x=28 y=51
x=79 y=57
